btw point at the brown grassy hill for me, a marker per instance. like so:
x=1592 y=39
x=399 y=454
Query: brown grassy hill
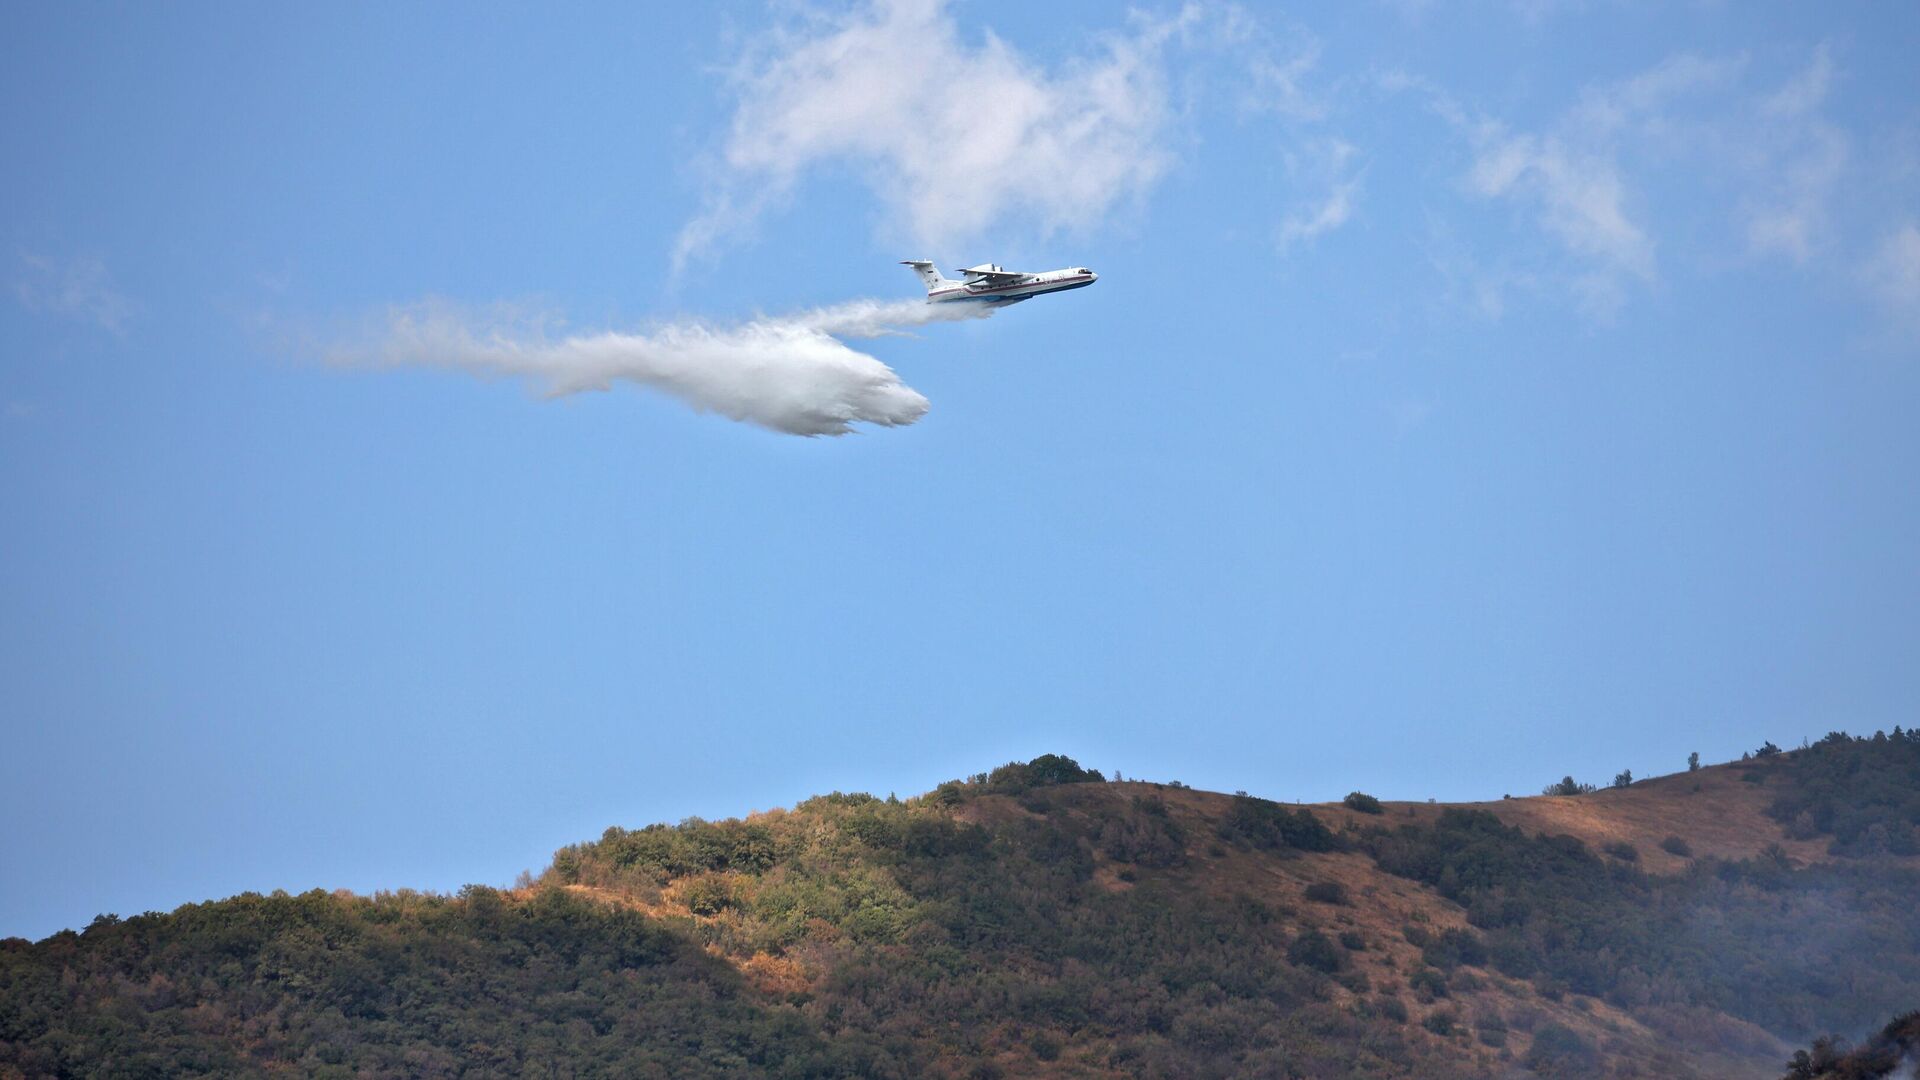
x=1041 y=921
x=1170 y=840
x=1718 y=814
x=1382 y=908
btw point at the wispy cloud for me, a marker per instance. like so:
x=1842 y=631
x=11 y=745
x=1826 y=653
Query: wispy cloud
x=1277 y=76
x=954 y=134
x=1797 y=158
x=1893 y=273
x=1329 y=164
x=1570 y=174
x=1689 y=131
x=75 y=288
x=1578 y=196
x=1806 y=91
x=1532 y=11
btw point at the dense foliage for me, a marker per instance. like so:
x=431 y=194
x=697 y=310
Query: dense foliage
x=1864 y=792
x=1883 y=1056
x=985 y=941
x=400 y=986
x=1796 y=951
x=1363 y=802
x=1017 y=777
x=1269 y=826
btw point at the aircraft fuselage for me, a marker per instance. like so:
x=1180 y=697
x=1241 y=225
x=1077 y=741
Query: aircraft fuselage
x=990 y=284
x=1027 y=286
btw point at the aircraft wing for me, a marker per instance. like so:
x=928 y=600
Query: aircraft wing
x=992 y=273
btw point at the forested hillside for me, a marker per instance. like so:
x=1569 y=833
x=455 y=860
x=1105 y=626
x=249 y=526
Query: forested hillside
x=1041 y=920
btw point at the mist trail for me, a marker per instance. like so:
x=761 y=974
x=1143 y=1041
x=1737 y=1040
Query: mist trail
x=790 y=373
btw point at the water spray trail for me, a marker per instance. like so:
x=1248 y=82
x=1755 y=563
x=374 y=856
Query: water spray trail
x=790 y=373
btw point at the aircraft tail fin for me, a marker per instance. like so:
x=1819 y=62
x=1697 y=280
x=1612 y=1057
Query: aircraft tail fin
x=928 y=275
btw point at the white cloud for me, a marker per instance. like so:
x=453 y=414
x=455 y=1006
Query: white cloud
x=1894 y=273
x=1279 y=85
x=76 y=288
x=1571 y=175
x=1806 y=91
x=1532 y=11
x=955 y=135
x=1792 y=218
x=1685 y=132
x=1332 y=213
x=1797 y=159
x=1330 y=163
x=1577 y=192
x=1640 y=103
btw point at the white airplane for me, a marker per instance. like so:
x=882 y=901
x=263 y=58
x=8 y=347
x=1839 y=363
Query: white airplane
x=990 y=284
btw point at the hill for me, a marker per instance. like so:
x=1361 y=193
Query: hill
x=1041 y=920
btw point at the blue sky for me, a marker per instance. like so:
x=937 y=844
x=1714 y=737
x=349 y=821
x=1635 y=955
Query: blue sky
x=1472 y=394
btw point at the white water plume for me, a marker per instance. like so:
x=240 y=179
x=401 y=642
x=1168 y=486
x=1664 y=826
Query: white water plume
x=789 y=373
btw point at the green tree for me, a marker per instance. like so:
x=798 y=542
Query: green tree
x=1693 y=761
x=1567 y=786
x=1361 y=801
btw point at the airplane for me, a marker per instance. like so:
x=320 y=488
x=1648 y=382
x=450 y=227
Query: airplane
x=990 y=284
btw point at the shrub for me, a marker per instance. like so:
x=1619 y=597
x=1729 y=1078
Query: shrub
x=1150 y=804
x=1151 y=840
x=1440 y=1023
x=1351 y=941
x=1429 y=983
x=1046 y=1047
x=1455 y=947
x=1260 y=823
x=1043 y=771
x=707 y=894
x=1393 y=1009
x=1622 y=850
x=1674 y=845
x=1559 y=1051
x=1327 y=892
x=1511 y=955
x=1313 y=949
x=1364 y=803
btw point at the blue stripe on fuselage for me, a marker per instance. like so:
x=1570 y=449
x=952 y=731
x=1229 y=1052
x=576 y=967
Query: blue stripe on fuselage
x=1040 y=288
